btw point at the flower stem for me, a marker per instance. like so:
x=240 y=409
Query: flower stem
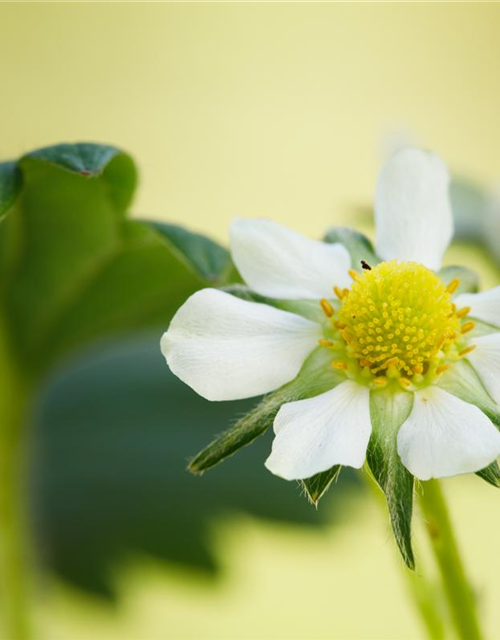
x=456 y=586
x=14 y=546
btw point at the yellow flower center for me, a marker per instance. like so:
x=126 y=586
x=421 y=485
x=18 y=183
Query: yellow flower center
x=398 y=321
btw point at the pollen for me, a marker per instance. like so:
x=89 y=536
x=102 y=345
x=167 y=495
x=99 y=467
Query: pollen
x=399 y=318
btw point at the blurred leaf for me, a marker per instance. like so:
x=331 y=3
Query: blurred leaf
x=388 y=412
x=113 y=436
x=316 y=486
x=358 y=245
x=314 y=377
x=209 y=259
x=74 y=268
x=469 y=280
x=469 y=203
x=10 y=185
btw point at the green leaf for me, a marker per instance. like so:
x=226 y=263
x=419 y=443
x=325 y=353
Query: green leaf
x=469 y=281
x=113 y=431
x=73 y=268
x=208 y=258
x=316 y=376
x=388 y=412
x=84 y=157
x=316 y=486
x=358 y=245
x=10 y=185
x=491 y=474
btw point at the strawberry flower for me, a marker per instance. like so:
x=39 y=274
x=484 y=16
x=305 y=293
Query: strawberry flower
x=372 y=355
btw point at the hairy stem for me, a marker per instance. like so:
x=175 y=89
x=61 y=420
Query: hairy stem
x=456 y=586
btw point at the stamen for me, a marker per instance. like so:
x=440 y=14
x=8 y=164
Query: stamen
x=354 y=274
x=325 y=343
x=467 y=350
x=397 y=322
x=339 y=364
x=380 y=381
x=328 y=310
x=442 y=369
x=468 y=326
x=453 y=286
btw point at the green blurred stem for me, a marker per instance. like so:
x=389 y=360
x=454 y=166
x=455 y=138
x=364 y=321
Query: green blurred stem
x=457 y=589
x=15 y=578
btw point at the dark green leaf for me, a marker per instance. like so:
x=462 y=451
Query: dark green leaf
x=491 y=474
x=210 y=260
x=316 y=376
x=358 y=245
x=469 y=281
x=318 y=485
x=83 y=157
x=73 y=269
x=10 y=185
x=388 y=412
x=109 y=480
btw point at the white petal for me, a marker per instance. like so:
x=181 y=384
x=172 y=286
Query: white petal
x=484 y=306
x=486 y=361
x=226 y=348
x=314 y=435
x=445 y=436
x=278 y=262
x=412 y=208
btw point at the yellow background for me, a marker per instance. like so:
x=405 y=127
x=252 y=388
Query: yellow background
x=264 y=109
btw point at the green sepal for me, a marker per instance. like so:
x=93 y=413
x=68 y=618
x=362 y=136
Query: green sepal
x=309 y=309
x=316 y=486
x=359 y=246
x=208 y=258
x=389 y=409
x=10 y=185
x=316 y=376
x=469 y=280
x=491 y=474
x=462 y=381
